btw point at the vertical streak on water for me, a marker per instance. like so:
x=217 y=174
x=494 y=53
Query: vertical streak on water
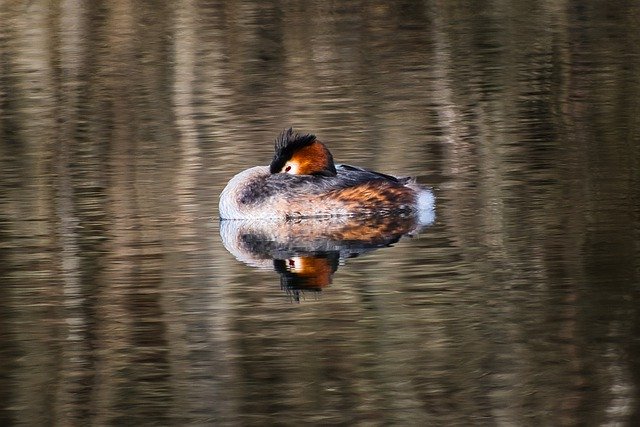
x=33 y=286
x=110 y=93
x=202 y=362
x=67 y=27
x=184 y=45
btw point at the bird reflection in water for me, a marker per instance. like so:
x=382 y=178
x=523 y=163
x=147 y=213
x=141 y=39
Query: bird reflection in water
x=307 y=252
x=306 y=272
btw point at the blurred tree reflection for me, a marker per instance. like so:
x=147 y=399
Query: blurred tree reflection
x=121 y=121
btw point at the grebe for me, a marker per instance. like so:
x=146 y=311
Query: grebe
x=302 y=181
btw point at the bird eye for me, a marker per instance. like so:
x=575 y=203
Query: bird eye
x=287 y=169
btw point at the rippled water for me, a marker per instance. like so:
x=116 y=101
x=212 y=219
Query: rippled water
x=123 y=301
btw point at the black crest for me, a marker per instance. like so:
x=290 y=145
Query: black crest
x=287 y=143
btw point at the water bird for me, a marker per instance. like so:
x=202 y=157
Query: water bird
x=303 y=181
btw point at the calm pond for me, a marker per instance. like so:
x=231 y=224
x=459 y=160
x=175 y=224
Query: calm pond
x=124 y=300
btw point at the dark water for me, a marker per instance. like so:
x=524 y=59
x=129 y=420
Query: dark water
x=120 y=123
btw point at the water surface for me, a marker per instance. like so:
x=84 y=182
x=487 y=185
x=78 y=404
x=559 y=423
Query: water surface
x=120 y=123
